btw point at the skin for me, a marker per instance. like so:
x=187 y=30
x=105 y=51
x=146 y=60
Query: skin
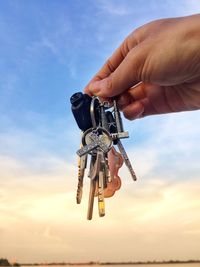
x=155 y=70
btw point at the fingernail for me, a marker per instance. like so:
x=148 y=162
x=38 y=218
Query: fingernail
x=98 y=86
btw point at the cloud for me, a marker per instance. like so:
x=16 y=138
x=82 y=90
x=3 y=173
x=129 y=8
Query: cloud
x=113 y=8
x=39 y=215
x=156 y=217
x=44 y=211
x=184 y=7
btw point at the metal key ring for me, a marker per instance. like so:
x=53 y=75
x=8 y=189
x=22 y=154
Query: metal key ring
x=92 y=111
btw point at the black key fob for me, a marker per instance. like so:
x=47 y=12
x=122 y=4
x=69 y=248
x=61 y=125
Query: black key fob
x=81 y=110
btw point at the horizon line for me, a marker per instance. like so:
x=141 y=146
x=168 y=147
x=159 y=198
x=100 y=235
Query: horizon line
x=114 y=262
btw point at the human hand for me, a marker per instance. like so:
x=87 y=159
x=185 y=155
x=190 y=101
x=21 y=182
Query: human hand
x=155 y=70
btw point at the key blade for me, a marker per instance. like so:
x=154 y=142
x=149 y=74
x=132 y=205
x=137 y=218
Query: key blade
x=101 y=185
x=82 y=164
x=126 y=160
x=101 y=202
x=101 y=206
x=96 y=167
x=91 y=199
x=80 y=186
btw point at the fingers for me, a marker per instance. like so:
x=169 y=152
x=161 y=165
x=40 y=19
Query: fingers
x=134 y=110
x=140 y=101
x=112 y=63
x=123 y=69
x=126 y=75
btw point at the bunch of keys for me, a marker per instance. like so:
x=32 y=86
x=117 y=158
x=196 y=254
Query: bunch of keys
x=102 y=129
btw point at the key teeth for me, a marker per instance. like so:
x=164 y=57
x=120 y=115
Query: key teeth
x=78 y=201
x=101 y=209
x=78 y=196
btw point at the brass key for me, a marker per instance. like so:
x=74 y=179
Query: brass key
x=101 y=185
x=94 y=175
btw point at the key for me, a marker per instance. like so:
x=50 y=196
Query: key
x=97 y=141
x=101 y=183
x=94 y=172
x=117 y=129
x=120 y=130
x=96 y=166
x=82 y=164
x=92 y=162
x=115 y=161
x=126 y=159
x=107 y=169
x=118 y=119
x=104 y=167
x=91 y=199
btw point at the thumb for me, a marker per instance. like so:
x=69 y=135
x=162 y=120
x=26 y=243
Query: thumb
x=126 y=75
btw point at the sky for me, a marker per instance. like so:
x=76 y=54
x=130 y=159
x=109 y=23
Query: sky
x=48 y=51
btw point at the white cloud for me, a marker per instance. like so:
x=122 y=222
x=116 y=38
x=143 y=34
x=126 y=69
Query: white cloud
x=39 y=217
x=38 y=208
x=184 y=7
x=113 y=8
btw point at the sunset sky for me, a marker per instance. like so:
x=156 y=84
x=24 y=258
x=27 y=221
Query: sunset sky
x=50 y=49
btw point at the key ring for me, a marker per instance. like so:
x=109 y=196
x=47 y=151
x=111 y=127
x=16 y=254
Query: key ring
x=92 y=111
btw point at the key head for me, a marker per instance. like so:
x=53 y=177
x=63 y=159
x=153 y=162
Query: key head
x=115 y=162
x=96 y=138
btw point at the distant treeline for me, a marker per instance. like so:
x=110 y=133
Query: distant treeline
x=5 y=262
x=112 y=263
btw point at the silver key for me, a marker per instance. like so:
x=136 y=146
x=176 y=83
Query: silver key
x=118 y=119
x=107 y=170
x=82 y=164
x=95 y=167
x=120 y=131
x=126 y=159
x=96 y=142
x=92 y=162
x=91 y=199
x=94 y=175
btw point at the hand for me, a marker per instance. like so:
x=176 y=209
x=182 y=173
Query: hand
x=155 y=70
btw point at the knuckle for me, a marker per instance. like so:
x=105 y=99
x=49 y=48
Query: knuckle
x=126 y=46
x=109 y=65
x=128 y=115
x=136 y=35
x=110 y=85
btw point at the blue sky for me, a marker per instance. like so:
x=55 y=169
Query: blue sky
x=49 y=50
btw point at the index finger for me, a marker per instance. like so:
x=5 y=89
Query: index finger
x=113 y=62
